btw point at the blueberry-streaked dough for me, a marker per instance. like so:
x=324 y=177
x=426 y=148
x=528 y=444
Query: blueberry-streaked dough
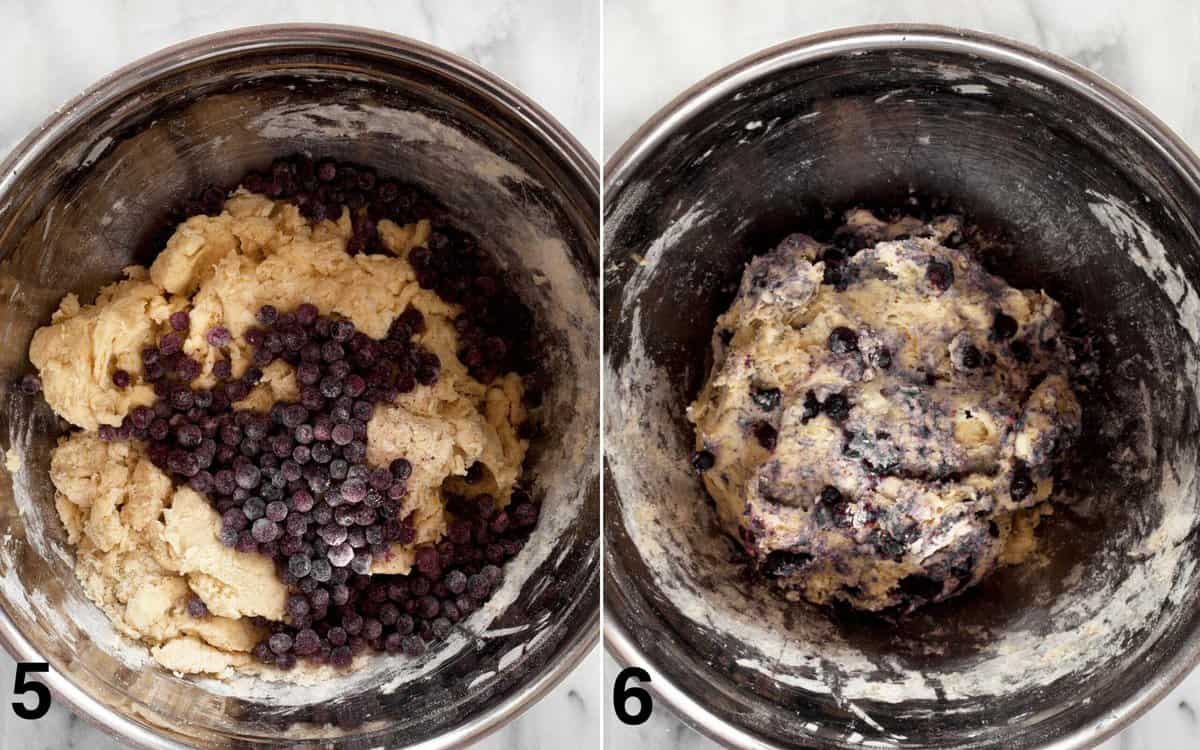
x=883 y=423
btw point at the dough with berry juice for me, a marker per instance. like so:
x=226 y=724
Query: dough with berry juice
x=881 y=425
x=144 y=547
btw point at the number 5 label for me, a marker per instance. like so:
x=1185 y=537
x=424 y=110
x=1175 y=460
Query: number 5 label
x=25 y=686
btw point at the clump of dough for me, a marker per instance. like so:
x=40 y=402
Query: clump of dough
x=117 y=507
x=880 y=425
x=144 y=547
x=79 y=353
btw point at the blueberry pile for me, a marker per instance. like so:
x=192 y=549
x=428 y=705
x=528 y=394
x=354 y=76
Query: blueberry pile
x=321 y=188
x=294 y=484
x=496 y=331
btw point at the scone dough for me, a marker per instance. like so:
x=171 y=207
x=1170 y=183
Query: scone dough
x=938 y=463
x=143 y=546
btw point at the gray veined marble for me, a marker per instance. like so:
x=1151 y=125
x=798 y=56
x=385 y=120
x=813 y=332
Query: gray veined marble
x=1146 y=47
x=53 y=49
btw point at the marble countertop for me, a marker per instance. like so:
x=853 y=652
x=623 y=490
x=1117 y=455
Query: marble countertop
x=52 y=49
x=1145 y=47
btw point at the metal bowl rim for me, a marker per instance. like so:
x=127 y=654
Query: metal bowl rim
x=672 y=118
x=119 y=84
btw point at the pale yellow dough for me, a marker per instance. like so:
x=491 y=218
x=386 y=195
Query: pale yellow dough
x=143 y=547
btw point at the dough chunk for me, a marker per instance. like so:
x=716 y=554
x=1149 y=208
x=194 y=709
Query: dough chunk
x=232 y=584
x=84 y=345
x=112 y=501
x=877 y=416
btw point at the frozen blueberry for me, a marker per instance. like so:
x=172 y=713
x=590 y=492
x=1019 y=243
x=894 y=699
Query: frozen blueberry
x=782 y=563
x=341 y=657
x=189 y=436
x=939 y=275
x=1021 y=351
x=882 y=358
x=341 y=555
x=218 y=336
x=456 y=581
x=297 y=605
x=413 y=646
x=766 y=435
x=524 y=515
x=702 y=460
x=843 y=340
x=265 y=530
x=766 y=398
x=428 y=562
x=401 y=469
x=247 y=475
x=306 y=642
x=196 y=607
x=170 y=344
x=971 y=357
x=31 y=385
x=836 y=407
x=478 y=587
x=228 y=536
x=322 y=570
x=830 y=495
x=342 y=434
x=262 y=652
x=1004 y=327
x=1022 y=482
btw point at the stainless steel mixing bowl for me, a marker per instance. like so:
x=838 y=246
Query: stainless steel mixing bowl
x=89 y=192
x=1086 y=195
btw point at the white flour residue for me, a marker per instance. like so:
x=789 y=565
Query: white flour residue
x=109 y=216
x=96 y=152
x=971 y=88
x=1147 y=253
x=955 y=72
x=695 y=216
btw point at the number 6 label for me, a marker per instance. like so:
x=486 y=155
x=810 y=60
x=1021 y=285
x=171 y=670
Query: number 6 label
x=623 y=692
x=24 y=686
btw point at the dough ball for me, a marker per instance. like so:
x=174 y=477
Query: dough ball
x=878 y=410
